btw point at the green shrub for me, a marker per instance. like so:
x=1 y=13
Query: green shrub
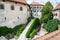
x=18 y=33
x=33 y=33
x=4 y=31
x=17 y=30
x=20 y=30
x=34 y=25
x=28 y=20
x=51 y=25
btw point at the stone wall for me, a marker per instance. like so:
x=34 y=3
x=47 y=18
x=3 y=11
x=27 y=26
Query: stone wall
x=10 y=17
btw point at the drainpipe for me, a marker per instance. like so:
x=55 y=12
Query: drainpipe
x=31 y=15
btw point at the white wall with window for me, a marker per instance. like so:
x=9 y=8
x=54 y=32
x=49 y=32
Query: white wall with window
x=56 y=14
x=36 y=10
x=11 y=12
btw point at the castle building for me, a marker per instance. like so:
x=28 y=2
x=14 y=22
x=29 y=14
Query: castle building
x=56 y=12
x=36 y=9
x=13 y=12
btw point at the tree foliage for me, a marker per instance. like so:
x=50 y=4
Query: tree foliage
x=47 y=12
x=52 y=25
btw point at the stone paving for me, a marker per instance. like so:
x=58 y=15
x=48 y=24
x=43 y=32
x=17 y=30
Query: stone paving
x=2 y=38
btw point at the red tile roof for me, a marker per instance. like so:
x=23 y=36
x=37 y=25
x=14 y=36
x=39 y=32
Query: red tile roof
x=51 y=36
x=23 y=1
x=57 y=7
x=20 y=1
x=36 y=4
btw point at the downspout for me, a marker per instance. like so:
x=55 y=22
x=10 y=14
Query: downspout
x=31 y=12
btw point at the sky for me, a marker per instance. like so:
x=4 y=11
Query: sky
x=54 y=2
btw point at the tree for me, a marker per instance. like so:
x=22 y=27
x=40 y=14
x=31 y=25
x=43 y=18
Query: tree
x=47 y=12
x=52 y=25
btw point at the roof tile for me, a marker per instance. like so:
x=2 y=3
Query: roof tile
x=51 y=36
x=36 y=4
x=22 y=1
x=57 y=7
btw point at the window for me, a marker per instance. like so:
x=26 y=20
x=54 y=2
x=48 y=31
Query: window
x=21 y=8
x=33 y=10
x=5 y=18
x=1 y=6
x=28 y=9
x=18 y=17
x=55 y=14
x=36 y=14
x=12 y=7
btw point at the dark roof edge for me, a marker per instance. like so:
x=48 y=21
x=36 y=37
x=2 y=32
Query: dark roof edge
x=20 y=2
x=56 y=9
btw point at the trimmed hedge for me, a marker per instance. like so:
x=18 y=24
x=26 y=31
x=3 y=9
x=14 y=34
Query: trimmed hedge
x=33 y=33
x=34 y=25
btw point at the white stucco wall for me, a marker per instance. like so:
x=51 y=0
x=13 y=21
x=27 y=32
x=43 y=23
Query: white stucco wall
x=58 y=14
x=37 y=14
x=12 y=15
